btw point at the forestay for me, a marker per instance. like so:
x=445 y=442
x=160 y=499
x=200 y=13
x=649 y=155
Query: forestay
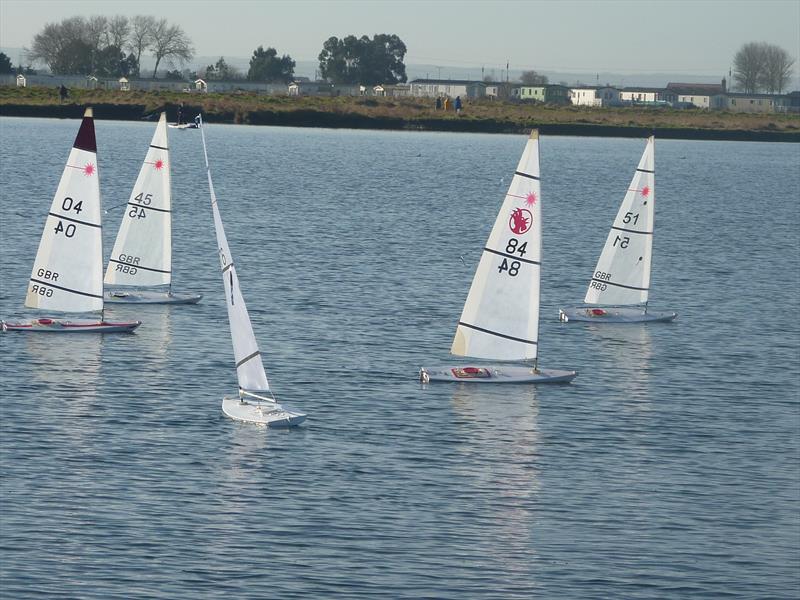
x=500 y=319
x=249 y=367
x=67 y=274
x=622 y=274
x=142 y=254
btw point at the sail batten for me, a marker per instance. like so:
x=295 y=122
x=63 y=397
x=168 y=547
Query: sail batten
x=142 y=254
x=622 y=274
x=500 y=319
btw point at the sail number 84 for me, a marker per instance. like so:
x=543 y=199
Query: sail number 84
x=514 y=248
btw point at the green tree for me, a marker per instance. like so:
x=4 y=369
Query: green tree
x=383 y=62
x=174 y=75
x=112 y=62
x=338 y=60
x=266 y=66
x=222 y=71
x=363 y=60
x=5 y=64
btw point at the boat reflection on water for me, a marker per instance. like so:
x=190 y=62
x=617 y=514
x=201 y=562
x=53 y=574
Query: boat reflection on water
x=154 y=338
x=499 y=454
x=626 y=349
x=65 y=367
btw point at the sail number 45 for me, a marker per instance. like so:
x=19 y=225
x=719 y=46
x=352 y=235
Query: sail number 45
x=514 y=248
x=137 y=212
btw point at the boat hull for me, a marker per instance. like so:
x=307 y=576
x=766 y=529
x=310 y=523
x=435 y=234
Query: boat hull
x=150 y=297
x=614 y=314
x=495 y=374
x=261 y=413
x=69 y=326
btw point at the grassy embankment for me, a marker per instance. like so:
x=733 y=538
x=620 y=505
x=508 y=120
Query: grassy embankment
x=485 y=115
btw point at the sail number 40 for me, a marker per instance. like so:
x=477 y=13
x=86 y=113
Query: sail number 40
x=68 y=231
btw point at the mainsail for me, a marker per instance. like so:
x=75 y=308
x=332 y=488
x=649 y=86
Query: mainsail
x=142 y=254
x=500 y=319
x=622 y=274
x=249 y=367
x=67 y=274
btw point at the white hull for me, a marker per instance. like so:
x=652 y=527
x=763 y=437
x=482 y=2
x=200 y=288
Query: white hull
x=150 y=297
x=261 y=413
x=495 y=374
x=183 y=126
x=614 y=314
x=69 y=326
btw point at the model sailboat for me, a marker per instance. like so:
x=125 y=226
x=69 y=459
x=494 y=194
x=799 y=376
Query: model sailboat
x=620 y=285
x=255 y=402
x=67 y=275
x=141 y=261
x=500 y=320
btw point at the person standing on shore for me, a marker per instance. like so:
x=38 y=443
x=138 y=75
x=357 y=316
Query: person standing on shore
x=458 y=105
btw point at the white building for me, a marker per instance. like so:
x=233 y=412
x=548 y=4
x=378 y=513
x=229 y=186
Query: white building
x=641 y=95
x=394 y=90
x=699 y=95
x=593 y=95
x=431 y=88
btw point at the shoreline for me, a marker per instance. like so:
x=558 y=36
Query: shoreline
x=410 y=115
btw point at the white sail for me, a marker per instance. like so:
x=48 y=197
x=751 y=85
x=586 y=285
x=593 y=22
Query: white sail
x=67 y=274
x=142 y=254
x=249 y=367
x=622 y=274
x=500 y=319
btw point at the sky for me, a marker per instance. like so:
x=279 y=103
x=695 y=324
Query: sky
x=695 y=37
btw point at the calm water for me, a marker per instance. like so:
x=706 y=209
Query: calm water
x=670 y=468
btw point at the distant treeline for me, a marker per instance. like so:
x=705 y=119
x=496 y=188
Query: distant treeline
x=114 y=46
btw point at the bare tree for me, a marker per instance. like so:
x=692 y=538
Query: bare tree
x=97 y=31
x=761 y=66
x=119 y=27
x=533 y=78
x=140 y=37
x=64 y=47
x=170 y=41
x=47 y=45
x=96 y=36
x=777 y=70
x=748 y=65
